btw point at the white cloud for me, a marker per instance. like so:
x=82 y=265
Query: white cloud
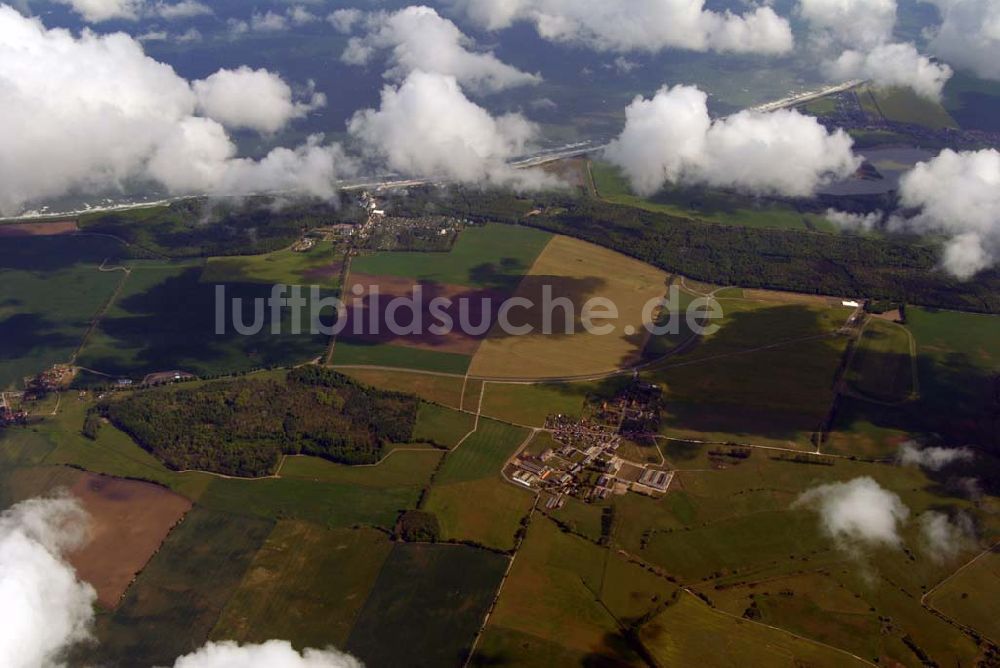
x=268 y=22
x=854 y=221
x=420 y=39
x=958 y=195
x=933 y=458
x=184 y=9
x=96 y=11
x=300 y=16
x=969 y=36
x=859 y=24
x=671 y=139
x=639 y=25
x=344 y=20
x=427 y=127
x=255 y=99
x=272 y=654
x=861 y=31
x=858 y=512
x=45 y=608
x=944 y=537
x=890 y=65
x=93 y=113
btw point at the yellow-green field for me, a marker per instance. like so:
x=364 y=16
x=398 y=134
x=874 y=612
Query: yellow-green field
x=445 y=390
x=486 y=511
x=320 y=265
x=970 y=597
x=294 y=588
x=689 y=633
x=883 y=367
x=577 y=271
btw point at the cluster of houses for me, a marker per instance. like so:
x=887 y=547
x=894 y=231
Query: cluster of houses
x=587 y=463
x=10 y=416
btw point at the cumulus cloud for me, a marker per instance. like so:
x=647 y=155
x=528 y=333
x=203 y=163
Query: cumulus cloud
x=854 y=221
x=93 y=113
x=272 y=654
x=418 y=38
x=944 y=537
x=858 y=512
x=890 y=65
x=45 y=608
x=249 y=98
x=933 y=458
x=344 y=20
x=640 y=25
x=96 y=11
x=861 y=31
x=969 y=35
x=427 y=127
x=862 y=24
x=958 y=194
x=671 y=139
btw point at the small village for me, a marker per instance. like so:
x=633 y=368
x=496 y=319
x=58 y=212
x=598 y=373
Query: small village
x=587 y=464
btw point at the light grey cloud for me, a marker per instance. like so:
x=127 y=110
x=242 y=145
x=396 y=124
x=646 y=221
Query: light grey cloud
x=638 y=25
x=671 y=139
x=969 y=35
x=946 y=537
x=93 y=113
x=933 y=458
x=426 y=127
x=46 y=609
x=957 y=194
x=855 y=40
x=854 y=221
x=857 y=513
x=255 y=99
x=272 y=654
x=418 y=38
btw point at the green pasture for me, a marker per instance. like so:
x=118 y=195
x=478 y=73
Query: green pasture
x=355 y=353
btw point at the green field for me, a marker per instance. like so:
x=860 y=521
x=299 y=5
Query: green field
x=882 y=367
x=731 y=533
x=491 y=256
x=689 y=633
x=173 y=605
x=354 y=353
x=402 y=467
x=320 y=265
x=902 y=105
x=307 y=585
x=50 y=290
x=482 y=454
x=426 y=605
x=715 y=390
x=165 y=318
x=328 y=504
x=706 y=205
x=565 y=603
x=442 y=426
x=487 y=511
x=531 y=404
x=970 y=597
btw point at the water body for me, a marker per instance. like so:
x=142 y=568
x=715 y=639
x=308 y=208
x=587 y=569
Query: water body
x=891 y=163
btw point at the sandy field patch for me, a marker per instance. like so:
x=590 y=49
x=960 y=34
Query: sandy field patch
x=390 y=287
x=129 y=520
x=47 y=229
x=577 y=271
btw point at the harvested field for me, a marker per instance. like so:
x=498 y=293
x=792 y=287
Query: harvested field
x=444 y=390
x=129 y=521
x=46 y=229
x=577 y=271
x=376 y=321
